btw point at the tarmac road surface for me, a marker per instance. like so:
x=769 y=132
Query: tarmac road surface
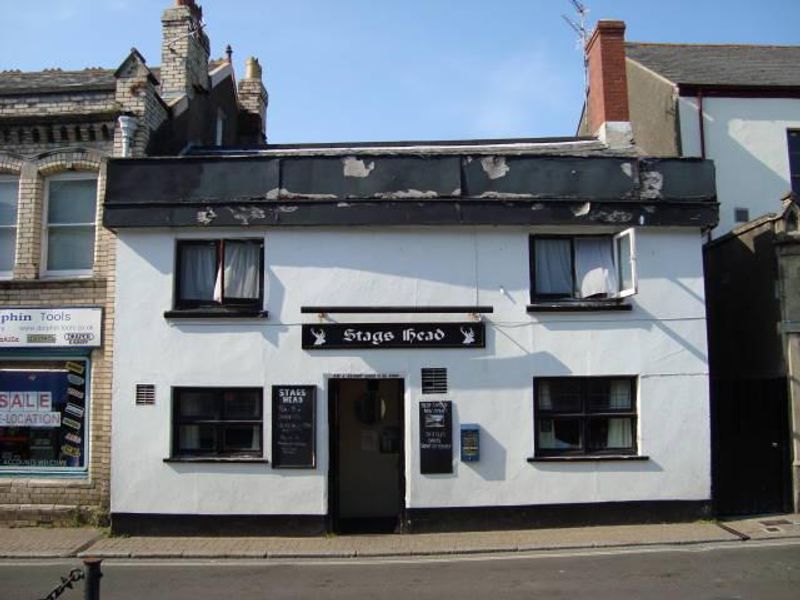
x=759 y=570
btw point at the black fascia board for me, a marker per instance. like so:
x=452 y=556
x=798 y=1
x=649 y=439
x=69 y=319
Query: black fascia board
x=409 y=190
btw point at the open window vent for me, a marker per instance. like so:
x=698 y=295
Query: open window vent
x=145 y=394
x=434 y=381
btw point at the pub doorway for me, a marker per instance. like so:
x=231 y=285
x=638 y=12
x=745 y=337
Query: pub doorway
x=366 y=479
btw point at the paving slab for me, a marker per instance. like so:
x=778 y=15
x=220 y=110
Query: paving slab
x=766 y=527
x=408 y=545
x=45 y=542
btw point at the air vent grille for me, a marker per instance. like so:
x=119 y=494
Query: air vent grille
x=434 y=381
x=145 y=394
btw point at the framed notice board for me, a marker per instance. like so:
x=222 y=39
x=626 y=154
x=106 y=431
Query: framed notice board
x=294 y=417
x=436 y=437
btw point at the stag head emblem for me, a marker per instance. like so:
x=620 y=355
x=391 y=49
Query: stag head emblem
x=319 y=337
x=469 y=335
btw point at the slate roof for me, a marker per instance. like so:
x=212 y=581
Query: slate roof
x=56 y=80
x=720 y=65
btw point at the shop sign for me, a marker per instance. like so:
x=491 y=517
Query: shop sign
x=394 y=335
x=51 y=327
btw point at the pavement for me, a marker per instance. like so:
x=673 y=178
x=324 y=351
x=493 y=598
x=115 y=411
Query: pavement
x=64 y=542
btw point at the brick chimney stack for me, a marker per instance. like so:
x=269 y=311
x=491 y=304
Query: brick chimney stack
x=253 y=99
x=607 y=104
x=184 y=50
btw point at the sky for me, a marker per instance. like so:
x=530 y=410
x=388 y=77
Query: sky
x=369 y=70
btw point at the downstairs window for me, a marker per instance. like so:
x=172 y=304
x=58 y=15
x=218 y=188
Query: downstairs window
x=585 y=416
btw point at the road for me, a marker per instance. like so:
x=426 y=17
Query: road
x=758 y=570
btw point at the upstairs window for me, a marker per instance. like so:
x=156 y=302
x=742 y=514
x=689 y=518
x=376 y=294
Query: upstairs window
x=569 y=268
x=9 y=191
x=70 y=215
x=220 y=274
x=793 y=136
x=585 y=416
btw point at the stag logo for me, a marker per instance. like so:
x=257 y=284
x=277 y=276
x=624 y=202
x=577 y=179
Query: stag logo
x=319 y=337
x=469 y=336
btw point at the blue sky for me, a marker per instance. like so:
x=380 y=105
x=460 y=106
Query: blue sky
x=342 y=70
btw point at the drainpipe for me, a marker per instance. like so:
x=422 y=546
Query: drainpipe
x=127 y=125
x=701 y=124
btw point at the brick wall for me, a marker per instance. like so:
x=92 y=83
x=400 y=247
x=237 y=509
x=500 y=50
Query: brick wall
x=30 y=500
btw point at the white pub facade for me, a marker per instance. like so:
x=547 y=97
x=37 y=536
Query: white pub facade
x=409 y=338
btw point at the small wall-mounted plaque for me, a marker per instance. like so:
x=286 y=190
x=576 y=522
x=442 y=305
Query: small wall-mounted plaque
x=470 y=443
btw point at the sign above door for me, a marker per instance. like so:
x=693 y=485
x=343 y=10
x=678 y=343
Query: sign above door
x=394 y=335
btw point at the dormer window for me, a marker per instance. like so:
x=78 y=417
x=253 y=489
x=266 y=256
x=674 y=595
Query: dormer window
x=220 y=129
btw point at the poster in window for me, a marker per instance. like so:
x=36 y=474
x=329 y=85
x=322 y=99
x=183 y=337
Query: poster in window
x=43 y=414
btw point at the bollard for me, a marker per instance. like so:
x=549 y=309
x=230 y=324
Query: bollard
x=92 y=575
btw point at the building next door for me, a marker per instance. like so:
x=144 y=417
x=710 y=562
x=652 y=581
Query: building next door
x=750 y=420
x=366 y=480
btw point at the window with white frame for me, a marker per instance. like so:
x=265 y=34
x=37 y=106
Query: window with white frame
x=9 y=192
x=219 y=274
x=793 y=139
x=585 y=267
x=585 y=416
x=69 y=228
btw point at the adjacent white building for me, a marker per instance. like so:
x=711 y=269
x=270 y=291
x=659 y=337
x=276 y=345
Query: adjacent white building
x=409 y=338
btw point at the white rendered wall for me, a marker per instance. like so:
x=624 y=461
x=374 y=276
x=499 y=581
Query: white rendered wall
x=662 y=341
x=746 y=139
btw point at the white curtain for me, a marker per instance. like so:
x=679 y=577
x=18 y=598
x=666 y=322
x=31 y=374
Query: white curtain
x=199 y=272
x=619 y=429
x=619 y=433
x=190 y=437
x=594 y=267
x=553 y=266
x=242 y=265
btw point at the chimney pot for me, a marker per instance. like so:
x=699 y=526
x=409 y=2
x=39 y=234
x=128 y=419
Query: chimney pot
x=252 y=68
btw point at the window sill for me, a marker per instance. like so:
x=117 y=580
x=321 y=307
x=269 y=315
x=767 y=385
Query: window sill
x=212 y=459
x=216 y=313
x=577 y=306
x=588 y=458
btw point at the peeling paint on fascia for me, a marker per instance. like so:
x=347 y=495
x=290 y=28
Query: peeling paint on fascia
x=401 y=194
x=615 y=216
x=537 y=206
x=652 y=183
x=246 y=214
x=582 y=209
x=649 y=208
x=355 y=167
x=273 y=194
x=284 y=193
x=627 y=169
x=495 y=167
x=207 y=216
x=503 y=195
x=343 y=205
x=287 y=209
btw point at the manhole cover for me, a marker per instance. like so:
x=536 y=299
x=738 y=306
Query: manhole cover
x=773 y=529
x=776 y=522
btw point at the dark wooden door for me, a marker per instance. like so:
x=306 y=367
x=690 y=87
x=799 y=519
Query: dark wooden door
x=750 y=428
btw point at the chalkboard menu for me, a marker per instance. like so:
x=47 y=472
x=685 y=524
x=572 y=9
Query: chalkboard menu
x=436 y=437
x=293 y=426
